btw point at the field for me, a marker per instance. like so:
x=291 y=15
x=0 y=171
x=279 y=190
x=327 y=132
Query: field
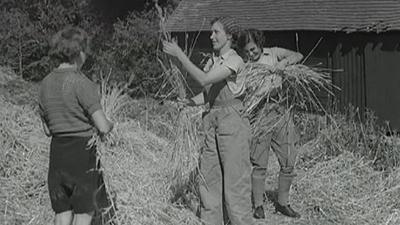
x=347 y=172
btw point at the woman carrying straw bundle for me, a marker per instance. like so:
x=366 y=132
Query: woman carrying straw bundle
x=224 y=164
x=281 y=138
x=69 y=105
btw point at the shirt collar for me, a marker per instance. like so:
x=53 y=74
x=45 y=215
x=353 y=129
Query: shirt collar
x=225 y=55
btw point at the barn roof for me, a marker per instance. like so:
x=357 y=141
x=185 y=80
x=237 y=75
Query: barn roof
x=279 y=15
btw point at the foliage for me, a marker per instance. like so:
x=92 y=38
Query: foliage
x=26 y=28
x=128 y=48
x=131 y=52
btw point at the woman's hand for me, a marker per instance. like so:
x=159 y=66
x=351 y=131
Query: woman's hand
x=171 y=48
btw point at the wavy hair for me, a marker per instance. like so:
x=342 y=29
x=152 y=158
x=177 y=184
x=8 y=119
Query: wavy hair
x=231 y=27
x=251 y=35
x=66 y=45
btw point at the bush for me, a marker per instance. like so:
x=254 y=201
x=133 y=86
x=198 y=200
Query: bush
x=17 y=39
x=131 y=52
x=25 y=29
x=128 y=47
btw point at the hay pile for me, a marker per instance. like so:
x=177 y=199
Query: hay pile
x=336 y=184
x=186 y=147
x=139 y=168
x=331 y=190
x=346 y=190
x=135 y=164
x=23 y=166
x=137 y=175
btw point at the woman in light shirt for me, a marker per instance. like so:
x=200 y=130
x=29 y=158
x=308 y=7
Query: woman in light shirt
x=225 y=161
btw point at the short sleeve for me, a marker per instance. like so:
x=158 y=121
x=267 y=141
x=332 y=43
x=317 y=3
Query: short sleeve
x=234 y=63
x=88 y=95
x=236 y=81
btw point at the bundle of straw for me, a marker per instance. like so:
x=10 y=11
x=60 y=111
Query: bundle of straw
x=113 y=100
x=184 y=155
x=269 y=88
x=171 y=72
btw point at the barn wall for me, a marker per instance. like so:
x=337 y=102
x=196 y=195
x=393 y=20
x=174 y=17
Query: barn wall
x=382 y=68
x=348 y=59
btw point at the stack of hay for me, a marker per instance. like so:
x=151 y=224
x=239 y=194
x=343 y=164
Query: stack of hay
x=186 y=146
x=140 y=168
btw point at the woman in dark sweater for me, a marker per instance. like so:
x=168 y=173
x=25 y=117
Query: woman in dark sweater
x=70 y=109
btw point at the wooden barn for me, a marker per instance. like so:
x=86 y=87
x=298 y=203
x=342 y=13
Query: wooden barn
x=361 y=38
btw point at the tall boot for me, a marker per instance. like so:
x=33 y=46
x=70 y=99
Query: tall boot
x=284 y=184
x=258 y=189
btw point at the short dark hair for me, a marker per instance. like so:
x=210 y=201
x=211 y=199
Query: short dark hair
x=250 y=35
x=66 y=44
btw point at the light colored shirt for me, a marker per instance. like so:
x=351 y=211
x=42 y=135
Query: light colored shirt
x=235 y=63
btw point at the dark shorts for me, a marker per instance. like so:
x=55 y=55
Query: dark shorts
x=75 y=183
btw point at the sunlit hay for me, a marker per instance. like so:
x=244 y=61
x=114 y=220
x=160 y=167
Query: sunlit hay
x=292 y=86
x=136 y=168
x=156 y=116
x=185 y=151
x=262 y=124
x=365 y=139
x=331 y=187
x=174 y=77
x=137 y=176
x=137 y=172
x=346 y=190
x=113 y=100
x=168 y=120
x=24 y=151
x=183 y=159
